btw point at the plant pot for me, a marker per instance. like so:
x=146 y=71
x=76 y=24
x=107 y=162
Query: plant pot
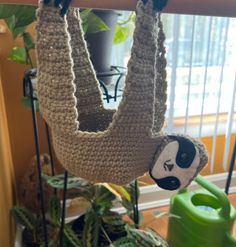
x=100 y=44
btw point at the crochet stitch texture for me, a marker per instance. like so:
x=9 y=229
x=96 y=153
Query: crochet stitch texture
x=91 y=142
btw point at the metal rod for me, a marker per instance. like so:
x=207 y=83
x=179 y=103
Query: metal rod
x=50 y=154
x=50 y=149
x=39 y=168
x=192 y=7
x=231 y=168
x=136 y=209
x=116 y=87
x=63 y=214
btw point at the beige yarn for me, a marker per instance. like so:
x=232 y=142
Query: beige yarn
x=92 y=142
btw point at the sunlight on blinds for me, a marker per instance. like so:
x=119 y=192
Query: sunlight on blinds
x=201 y=69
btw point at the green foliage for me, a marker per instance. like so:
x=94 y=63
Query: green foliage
x=103 y=197
x=144 y=238
x=92 y=23
x=124 y=29
x=51 y=243
x=73 y=182
x=55 y=210
x=91 y=231
x=158 y=238
x=28 y=41
x=19 y=55
x=27 y=103
x=24 y=217
x=124 y=242
x=19 y=17
x=100 y=226
x=71 y=237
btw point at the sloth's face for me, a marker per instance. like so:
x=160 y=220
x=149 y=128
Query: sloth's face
x=176 y=165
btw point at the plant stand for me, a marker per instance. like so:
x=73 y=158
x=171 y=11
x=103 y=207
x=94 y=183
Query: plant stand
x=29 y=90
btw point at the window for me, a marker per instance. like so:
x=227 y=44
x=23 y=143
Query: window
x=201 y=54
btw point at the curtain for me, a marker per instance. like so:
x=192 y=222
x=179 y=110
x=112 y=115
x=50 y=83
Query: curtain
x=6 y=179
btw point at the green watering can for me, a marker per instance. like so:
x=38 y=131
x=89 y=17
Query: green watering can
x=205 y=219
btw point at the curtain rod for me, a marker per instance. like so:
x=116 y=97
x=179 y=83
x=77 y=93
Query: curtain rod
x=192 y=7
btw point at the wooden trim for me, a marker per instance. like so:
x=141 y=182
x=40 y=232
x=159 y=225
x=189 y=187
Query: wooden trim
x=192 y=7
x=6 y=178
x=208 y=118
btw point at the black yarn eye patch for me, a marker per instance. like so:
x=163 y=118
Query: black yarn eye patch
x=168 y=183
x=186 y=152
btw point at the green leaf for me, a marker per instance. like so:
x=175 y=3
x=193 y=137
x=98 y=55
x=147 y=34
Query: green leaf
x=18 y=31
x=27 y=103
x=18 y=55
x=122 y=33
x=55 y=210
x=71 y=237
x=51 y=243
x=28 y=41
x=104 y=197
x=84 y=14
x=113 y=218
x=118 y=191
x=73 y=182
x=95 y=24
x=11 y=22
x=143 y=238
x=158 y=237
x=130 y=188
x=17 y=17
x=84 y=17
x=24 y=217
x=8 y=10
x=124 y=242
x=91 y=229
x=25 y=15
x=82 y=187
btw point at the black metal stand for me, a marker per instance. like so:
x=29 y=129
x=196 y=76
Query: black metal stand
x=63 y=214
x=231 y=168
x=28 y=87
x=29 y=90
x=116 y=71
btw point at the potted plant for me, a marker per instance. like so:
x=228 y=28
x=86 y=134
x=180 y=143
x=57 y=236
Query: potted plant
x=100 y=43
x=100 y=27
x=97 y=225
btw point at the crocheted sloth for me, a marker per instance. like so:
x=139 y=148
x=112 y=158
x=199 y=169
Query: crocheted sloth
x=103 y=145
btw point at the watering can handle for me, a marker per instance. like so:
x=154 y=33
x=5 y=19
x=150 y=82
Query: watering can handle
x=221 y=196
x=231 y=240
x=225 y=211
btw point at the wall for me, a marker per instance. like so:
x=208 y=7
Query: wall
x=18 y=117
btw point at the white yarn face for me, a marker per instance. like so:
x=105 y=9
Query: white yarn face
x=167 y=169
